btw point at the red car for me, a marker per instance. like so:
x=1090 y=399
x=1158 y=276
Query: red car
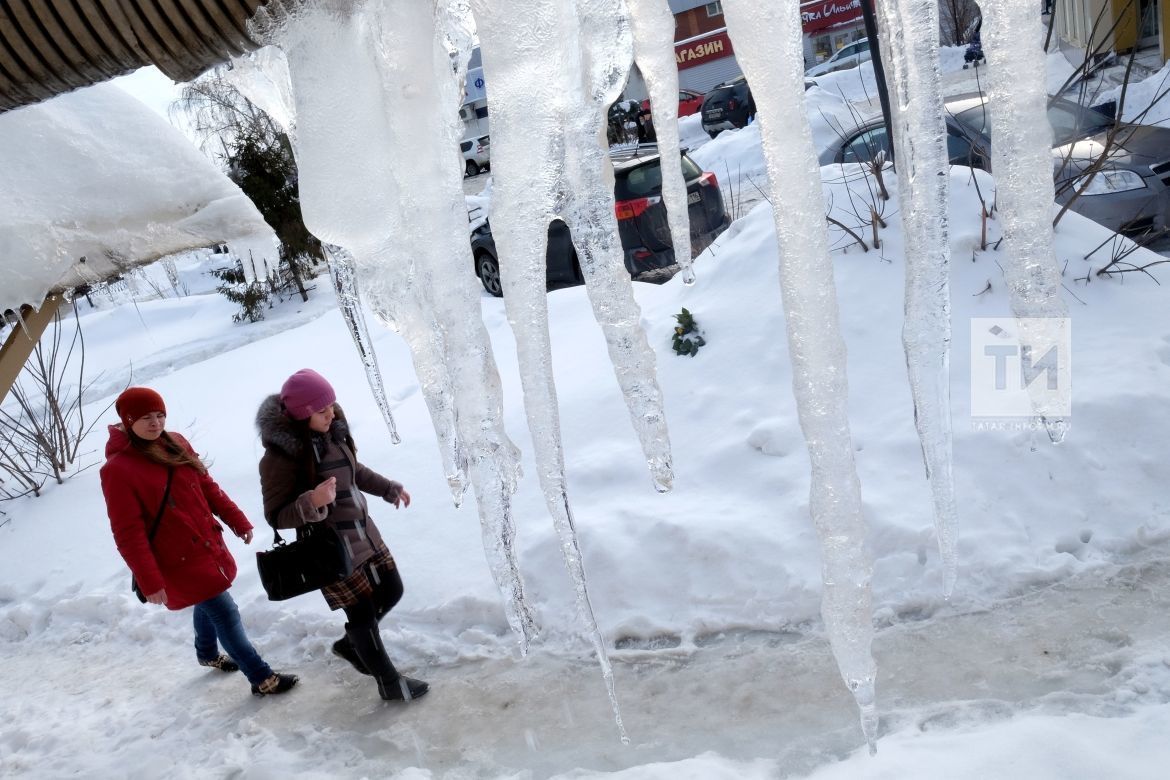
x=689 y=102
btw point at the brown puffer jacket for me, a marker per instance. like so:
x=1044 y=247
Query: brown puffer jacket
x=293 y=465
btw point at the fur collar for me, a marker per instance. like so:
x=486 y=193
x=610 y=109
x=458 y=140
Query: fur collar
x=279 y=432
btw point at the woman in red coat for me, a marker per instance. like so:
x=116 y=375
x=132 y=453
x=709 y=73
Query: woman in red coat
x=176 y=550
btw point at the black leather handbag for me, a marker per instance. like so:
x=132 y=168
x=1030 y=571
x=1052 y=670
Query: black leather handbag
x=317 y=558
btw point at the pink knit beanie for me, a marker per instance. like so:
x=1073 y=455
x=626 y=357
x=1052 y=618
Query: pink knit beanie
x=306 y=392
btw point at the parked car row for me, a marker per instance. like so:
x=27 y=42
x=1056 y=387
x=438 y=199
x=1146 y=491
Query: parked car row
x=1129 y=194
x=642 y=224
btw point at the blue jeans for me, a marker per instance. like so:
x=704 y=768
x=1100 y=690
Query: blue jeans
x=218 y=618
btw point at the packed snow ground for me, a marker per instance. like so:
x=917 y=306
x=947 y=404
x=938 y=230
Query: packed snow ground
x=1050 y=661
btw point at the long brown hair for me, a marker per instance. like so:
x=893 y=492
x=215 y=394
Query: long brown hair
x=167 y=451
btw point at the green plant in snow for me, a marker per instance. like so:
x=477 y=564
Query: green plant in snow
x=687 y=336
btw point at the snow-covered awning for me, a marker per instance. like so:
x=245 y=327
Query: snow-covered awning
x=95 y=183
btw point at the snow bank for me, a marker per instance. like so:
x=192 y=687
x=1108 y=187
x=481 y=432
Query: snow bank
x=1143 y=99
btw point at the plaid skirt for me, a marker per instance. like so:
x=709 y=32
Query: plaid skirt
x=361 y=583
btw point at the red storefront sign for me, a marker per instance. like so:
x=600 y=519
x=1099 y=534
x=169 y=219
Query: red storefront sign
x=823 y=14
x=696 y=51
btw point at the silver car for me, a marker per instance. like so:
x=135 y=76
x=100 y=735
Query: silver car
x=848 y=56
x=1129 y=194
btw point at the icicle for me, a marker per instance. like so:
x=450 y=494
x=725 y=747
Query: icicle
x=172 y=272
x=395 y=61
x=1022 y=165
x=253 y=250
x=350 y=199
x=909 y=49
x=605 y=53
x=653 y=26
x=15 y=318
x=350 y=304
x=263 y=78
x=767 y=39
x=531 y=180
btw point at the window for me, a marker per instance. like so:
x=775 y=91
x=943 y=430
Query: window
x=646 y=180
x=715 y=9
x=866 y=146
x=959 y=150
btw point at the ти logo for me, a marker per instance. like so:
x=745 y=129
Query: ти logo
x=1021 y=367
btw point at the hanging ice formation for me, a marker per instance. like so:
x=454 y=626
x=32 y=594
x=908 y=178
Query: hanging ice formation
x=652 y=23
x=1021 y=158
x=554 y=68
x=339 y=211
x=767 y=40
x=909 y=50
x=376 y=95
x=263 y=79
x=350 y=303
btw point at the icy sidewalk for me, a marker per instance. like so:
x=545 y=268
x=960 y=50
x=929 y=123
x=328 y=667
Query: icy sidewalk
x=1094 y=645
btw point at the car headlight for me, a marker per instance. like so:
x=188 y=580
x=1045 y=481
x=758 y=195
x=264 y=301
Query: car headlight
x=1110 y=181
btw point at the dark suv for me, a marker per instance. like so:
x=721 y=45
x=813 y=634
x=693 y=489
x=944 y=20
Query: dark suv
x=728 y=106
x=642 y=225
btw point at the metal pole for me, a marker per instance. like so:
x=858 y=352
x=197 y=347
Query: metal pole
x=879 y=72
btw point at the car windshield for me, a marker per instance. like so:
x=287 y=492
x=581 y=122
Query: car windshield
x=1069 y=121
x=644 y=180
x=1072 y=122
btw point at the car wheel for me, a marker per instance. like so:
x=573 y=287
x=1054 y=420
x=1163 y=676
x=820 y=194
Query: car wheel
x=488 y=269
x=472 y=169
x=712 y=133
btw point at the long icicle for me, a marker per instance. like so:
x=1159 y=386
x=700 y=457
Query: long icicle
x=1022 y=165
x=594 y=74
x=414 y=276
x=652 y=24
x=767 y=44
x=909 y=47
x=350 y=303
x=528 y=166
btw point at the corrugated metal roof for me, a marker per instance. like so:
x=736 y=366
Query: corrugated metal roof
x=52 y=46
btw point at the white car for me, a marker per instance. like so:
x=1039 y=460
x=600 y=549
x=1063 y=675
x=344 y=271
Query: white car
x=846 y=57
x=476 y=154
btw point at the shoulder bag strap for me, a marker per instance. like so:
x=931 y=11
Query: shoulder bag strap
x=163 y=506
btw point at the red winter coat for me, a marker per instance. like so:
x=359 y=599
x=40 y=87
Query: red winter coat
x=187 y=556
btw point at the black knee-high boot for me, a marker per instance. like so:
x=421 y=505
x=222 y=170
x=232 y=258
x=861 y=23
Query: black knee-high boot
x=366 y=640
x=343 y=648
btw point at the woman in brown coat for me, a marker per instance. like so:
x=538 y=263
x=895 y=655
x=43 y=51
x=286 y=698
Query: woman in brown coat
x=310 y=474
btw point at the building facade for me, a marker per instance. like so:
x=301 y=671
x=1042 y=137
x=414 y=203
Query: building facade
x=829 y=25
x=706 y=57
x=702 y=49
x=1097 y=28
